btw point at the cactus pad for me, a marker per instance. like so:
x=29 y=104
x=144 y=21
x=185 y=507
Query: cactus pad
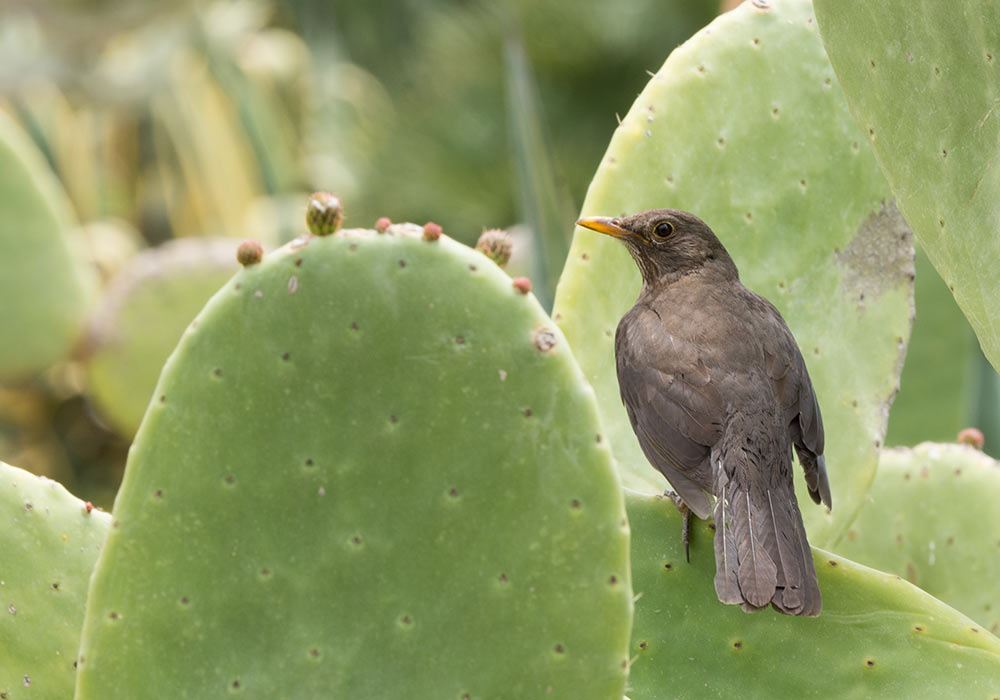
x=744 y=126
x=49 y=542
x=878 y=636
x=371 y=469
x=145 y=309
x=932 y=518
x=922 y=79
x=45 y=286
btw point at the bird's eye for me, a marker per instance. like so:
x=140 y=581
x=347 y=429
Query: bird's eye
x=663 y=230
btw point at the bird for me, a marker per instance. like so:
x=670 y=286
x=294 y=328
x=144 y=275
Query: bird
x=718 y=395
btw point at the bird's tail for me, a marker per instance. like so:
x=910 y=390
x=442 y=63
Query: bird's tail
x=761 y=552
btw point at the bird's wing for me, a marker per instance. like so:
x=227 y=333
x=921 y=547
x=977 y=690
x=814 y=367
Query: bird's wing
x=676 y=411
x=794 y=391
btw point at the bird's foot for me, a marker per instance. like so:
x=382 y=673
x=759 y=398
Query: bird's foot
x=686 y=528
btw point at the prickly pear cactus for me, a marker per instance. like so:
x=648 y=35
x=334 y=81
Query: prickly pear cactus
x=932 y=518
x=878 y=636
x=371 y=469
x=923 y=82
x=744 y=126
x=45 y=287
x=49 y=542
x=142 y=314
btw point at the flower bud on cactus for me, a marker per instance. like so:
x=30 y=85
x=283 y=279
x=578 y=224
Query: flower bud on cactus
x=249 y=253
x=971 y=436
x=383 y=224
x=495 y=244
x=522 y=284
x=324 y=213
x=432 y=231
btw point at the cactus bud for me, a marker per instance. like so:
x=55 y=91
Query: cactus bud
x=432 y=231
x=971 y=436
x=522 y=284
x=249 y=253
x=324 y=213
x=383 y=224
x=495 y=244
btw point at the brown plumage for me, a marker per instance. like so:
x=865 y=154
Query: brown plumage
x=718 y=395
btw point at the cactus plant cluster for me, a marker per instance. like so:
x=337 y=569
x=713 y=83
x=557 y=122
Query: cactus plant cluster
x=374 y=466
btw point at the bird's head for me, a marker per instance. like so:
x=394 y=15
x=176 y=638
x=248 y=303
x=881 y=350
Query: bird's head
x=666 y=244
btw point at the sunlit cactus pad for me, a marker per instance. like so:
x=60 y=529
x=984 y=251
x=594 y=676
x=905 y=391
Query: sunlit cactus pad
x=372 y=469
x=933 y=518
x=49 y=541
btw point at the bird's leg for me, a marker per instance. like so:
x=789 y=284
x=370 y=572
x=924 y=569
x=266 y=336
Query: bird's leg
x=686 y=527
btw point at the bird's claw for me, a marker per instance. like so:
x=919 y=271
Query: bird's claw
x=686 y=527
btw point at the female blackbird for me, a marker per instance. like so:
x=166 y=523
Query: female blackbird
x=718 y=394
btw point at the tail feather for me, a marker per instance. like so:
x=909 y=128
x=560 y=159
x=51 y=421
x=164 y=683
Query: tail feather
x=761 y=552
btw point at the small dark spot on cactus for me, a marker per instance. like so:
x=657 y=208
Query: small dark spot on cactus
x=113 y=615
x=607 y=332
x=309 y=461
x=185 y=600
x=668 y=566
x=815 y=351
x=831 y=562
x=382 y=224
x=286 y=357
x=878 y=443
x=459 y=340
x=584 y=256
x=871 y=132
x=405 y=620
x=393 y=419
x=756 y=41
x=502 y=578
x=852 y=535
x=721 y=141
x=230 y=479
x=354 y=326
x=55 y=585
x=909 y=57
x=906 y=476
x=158 y=493
x=265 y=572
x=989 y=56
x=402 y=263
x=918 y=628
x=775 y=112
x=217 y=372
x=643 y=645
x=114 y=524
x=612 y=580
x=473 y=268
x=356 y=540
x=324 y=213
x=432 y=231
x=670 y=179
x=701 y=69
x=781 y=284
x=249 y=253
x=314 y=652
x=353 y=247
x=26 y=680
x=560 y=649
x=972 y=437
x=575 y=504
x=597 y=438
x=937 y=71
x=497 y=245
x=870 y=663
x=28 y=507
x=298 y=262
x=293 y=284
x=855 y=147
x=872 y=63
x=163 y=398
x=527 y=413
x=236 y=685
x=749 y=216
x=827 y=84
x=737 y=644
x=522 y=284
x=941 y=224
x=803 y=184
x=453 y=492
x=899 y=538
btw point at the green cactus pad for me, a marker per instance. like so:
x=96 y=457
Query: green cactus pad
x=49 y=542
x=878 y=636
x=745 y=127
x=142 y=315
x=922 y=79
x=933 y=519
x=45 y=287
x=371 y=469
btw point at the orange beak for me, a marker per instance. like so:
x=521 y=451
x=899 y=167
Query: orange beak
x=606 y=225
